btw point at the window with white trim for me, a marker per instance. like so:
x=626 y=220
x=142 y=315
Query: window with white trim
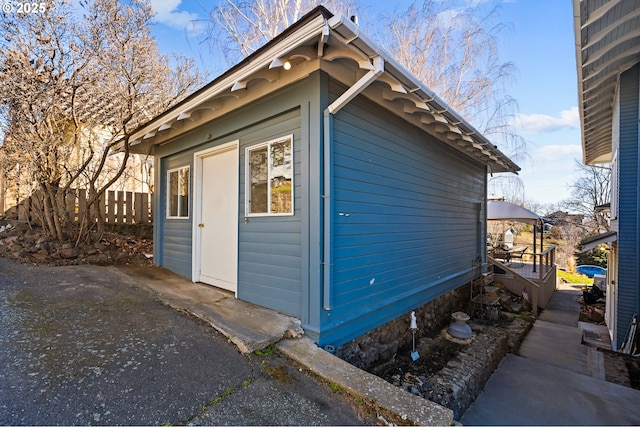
x=178 y=183
x=269 y=188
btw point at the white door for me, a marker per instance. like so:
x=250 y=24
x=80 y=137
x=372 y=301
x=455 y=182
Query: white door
x=218 y=226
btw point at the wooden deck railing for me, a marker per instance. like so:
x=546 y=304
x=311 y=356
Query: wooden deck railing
x=537 y=274
x=546 y=262
x=532 y=288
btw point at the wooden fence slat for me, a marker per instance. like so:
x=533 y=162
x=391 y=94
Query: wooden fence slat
x=111 y=202
x=144 y=209
x=137 y=208
x=101 y=205
x=120 y=207
x=129 y=207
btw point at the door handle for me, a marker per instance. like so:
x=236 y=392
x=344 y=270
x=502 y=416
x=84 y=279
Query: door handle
x=201 y=225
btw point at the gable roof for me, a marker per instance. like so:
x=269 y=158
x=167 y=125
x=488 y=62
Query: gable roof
x=334 y=44
x=607 y=35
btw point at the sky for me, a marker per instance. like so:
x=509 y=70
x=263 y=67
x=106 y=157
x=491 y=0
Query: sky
x=539 y=41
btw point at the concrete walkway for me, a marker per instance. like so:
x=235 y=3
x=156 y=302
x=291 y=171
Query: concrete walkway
x=555 y=379
x=252 y=328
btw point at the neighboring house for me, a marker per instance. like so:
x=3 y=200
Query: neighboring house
x=320 y=179
x=17 y=185
x=561 y=217
x=608 y=59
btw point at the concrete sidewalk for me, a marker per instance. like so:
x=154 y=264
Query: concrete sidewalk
x=555 y=379
x=252 y=328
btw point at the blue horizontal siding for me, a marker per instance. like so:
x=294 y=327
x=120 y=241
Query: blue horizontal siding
x=176 y=242
x=628 y=232
x=405 y=224
x=270 y=249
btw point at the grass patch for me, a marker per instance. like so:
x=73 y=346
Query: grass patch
x=269 y=351
x=218 y=399
x=278 y=373
x=337 y=388
x=574 y=278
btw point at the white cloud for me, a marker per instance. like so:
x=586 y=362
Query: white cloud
x=541 y=123
x=167 y=13
x=550 y=153
x=547 y=178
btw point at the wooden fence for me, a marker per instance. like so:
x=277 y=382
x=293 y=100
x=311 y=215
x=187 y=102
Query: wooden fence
x=118 y=207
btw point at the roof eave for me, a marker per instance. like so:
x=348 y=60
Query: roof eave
x=316 y=24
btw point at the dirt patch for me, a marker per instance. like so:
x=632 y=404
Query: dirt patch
x=450 y=371
x=434 y=354
x=132 y=245
x=619 y=368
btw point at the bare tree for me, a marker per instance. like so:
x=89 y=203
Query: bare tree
x=238 y=28
x=453 y=50
x=592 y=189
x=72 y=90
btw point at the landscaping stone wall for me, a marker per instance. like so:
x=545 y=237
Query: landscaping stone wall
x=383 y=342
x=458 y=384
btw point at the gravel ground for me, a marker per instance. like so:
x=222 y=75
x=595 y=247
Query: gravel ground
x=79 y=348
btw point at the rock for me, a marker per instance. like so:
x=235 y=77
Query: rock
x=68 y=253
x=41 y=254
x=11 y=240
x=43 y=245
x=99 y=259
x=99 y=246
x=425 y=344
x=294 y=333
x=16 y=248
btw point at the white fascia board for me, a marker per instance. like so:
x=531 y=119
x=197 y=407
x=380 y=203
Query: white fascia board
x=310 y=30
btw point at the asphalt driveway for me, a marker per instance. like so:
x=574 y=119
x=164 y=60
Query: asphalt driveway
x=80 y=346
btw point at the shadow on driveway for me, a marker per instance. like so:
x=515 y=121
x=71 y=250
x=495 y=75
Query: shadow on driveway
x=79 y=346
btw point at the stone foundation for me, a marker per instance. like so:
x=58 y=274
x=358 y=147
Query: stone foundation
x=458 y=384
x=383 y=342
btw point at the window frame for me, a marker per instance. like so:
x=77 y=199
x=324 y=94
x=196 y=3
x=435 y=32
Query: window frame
x=168 y=193
x=247 y=192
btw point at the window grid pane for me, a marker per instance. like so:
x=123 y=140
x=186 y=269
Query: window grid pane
x=178 y=193
x=281 y=174
x=270 y=170
x=173 y=193
x=258 y=170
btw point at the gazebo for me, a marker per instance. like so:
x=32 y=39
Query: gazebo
x=538 y=278
x=498 y=210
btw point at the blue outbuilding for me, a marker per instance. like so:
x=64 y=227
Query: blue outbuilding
x=319 y=178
